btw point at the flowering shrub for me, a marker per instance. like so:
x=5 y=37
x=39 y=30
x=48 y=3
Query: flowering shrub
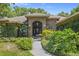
x=47 y=33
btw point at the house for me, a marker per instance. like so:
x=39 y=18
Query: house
x=36 y=22
x=69 y=22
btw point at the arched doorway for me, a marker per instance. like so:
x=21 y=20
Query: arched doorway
x=36 y=28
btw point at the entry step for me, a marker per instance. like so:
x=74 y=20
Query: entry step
x=37 y=39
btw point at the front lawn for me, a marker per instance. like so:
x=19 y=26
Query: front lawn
x=12 y=48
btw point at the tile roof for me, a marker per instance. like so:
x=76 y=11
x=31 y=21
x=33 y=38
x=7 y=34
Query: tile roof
x=37 y=15
x=19 y=19
x=67 y=19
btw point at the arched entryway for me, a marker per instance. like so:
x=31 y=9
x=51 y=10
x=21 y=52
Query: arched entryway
x=36 y=28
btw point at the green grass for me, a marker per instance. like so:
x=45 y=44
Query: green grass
x=9 y=53
x=11 y=49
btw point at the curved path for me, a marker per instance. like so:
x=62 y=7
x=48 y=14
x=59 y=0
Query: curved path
x=38 y=50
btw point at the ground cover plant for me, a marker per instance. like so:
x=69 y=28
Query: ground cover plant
x=14 y=46
x=24 y=43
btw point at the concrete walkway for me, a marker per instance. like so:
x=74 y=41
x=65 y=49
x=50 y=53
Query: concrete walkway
x=38 y=50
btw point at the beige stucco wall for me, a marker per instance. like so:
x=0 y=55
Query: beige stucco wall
x=32 y=19
x=51 y=24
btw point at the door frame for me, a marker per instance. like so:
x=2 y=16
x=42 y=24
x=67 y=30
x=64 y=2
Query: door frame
x=36 y=25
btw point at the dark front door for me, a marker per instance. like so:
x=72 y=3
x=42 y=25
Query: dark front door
x=37 y=28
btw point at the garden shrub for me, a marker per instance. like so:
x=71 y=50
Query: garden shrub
x=8 y=30
x=63 y=42
x=44 y=42
x=24 y=43
x=46 y=33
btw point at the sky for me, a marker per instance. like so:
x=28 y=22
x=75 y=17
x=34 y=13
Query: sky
x=52 y=8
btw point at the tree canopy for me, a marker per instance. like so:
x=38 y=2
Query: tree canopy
x=6 y=10
x=74 y=10
x=23 y=11
x=63 y=14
